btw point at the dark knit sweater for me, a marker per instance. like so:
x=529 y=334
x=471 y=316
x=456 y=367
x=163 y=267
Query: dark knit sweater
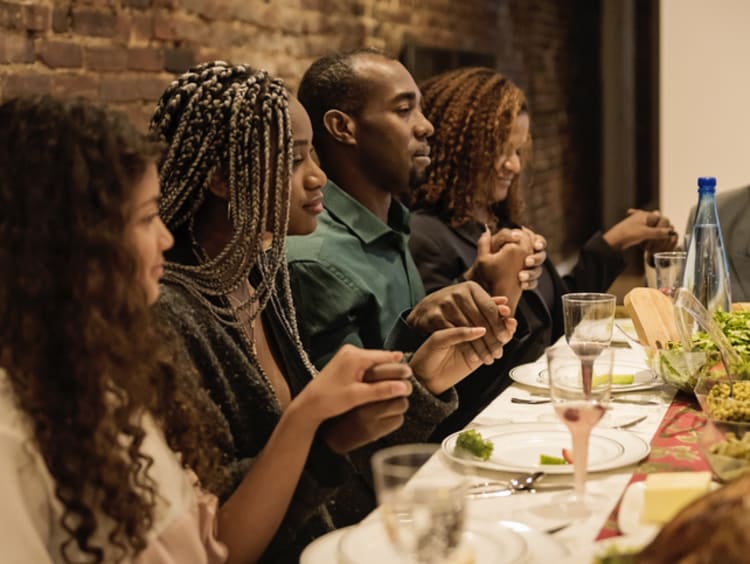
x=332 y=488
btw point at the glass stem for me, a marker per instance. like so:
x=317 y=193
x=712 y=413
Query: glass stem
x=587 y=375
x=580 y=459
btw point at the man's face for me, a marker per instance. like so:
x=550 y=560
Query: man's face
x=391 y=131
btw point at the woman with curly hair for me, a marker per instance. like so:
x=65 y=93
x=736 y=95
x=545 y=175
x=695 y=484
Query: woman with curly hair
x=238 y=176
x=108 y=445
x=468 y=220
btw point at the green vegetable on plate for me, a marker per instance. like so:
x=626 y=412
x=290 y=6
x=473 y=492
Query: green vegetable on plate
x=472 y=442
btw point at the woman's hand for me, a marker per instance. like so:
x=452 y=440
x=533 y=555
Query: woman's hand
x=501 y=258
x=641 y=226
x=371 y=421
x=341 y=385
x=447 y=357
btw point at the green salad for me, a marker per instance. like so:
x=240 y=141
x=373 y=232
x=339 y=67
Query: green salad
x=683 y=368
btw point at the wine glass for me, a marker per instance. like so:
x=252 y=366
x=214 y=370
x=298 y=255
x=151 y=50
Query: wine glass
x=424 y=518
x=588 y=319
x=580 y=404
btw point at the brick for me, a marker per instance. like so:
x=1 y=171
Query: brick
x=61 y=20
x=123 y=25
x=145 y=59
x=137 y=4
x=16 y=48
x=97 y=23
x=178 y=60
x=164 y=26
x=141 y=26
x=106 y=58
x=36 y=18
x=132 y=89
x=21 y=83
x=56 y=54
x=69 y=85
x=11 y=15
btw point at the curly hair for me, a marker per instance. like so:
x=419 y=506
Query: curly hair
x=472 y=110
x=332 y=83
x=82 y=353
x=233 y=121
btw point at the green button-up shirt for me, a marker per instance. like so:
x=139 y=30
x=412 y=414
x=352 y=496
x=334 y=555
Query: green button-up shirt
x=353 y=277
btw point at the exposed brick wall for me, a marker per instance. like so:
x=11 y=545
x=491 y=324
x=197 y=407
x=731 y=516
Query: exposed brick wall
x=124 y=52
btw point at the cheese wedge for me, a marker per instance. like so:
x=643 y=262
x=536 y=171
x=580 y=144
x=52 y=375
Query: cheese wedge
x=668 y=492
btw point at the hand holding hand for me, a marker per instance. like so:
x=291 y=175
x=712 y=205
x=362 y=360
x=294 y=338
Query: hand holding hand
x=341 y=385
x=642 y=226
x=371 y=421
x=532 y=270
x=500 y=259
x=467 y=305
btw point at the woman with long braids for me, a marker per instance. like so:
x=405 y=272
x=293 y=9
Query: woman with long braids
x=108 y=445
x=238 y=175
x=470 y=207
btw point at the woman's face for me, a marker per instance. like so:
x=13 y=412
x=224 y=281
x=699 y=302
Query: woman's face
x=146 y=233
x=508 y=165
x=307 y=177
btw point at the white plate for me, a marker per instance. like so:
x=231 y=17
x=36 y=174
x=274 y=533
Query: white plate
x=631 y=509
x=491 y=543
x=518 y=446
x=540 y=547
x=534 y=374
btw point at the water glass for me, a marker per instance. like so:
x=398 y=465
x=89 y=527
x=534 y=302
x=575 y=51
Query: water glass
x=424 y=518
x=670 y=269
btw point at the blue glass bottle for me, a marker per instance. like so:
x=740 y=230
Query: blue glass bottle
x=707 y=272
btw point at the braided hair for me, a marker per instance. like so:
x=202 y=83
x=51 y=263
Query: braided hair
x=472 y=110
x=232 y=122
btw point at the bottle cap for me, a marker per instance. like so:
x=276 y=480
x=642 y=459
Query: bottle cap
x=706 y=182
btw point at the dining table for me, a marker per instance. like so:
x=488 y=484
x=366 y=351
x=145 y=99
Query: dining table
x=661 y=432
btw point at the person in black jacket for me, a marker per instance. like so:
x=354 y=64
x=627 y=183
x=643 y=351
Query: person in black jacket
x=469 y=210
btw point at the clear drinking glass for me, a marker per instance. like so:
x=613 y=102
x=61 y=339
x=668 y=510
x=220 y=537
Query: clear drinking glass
x=579 y=404
x=588 y=319
x=670 y=269
x=424 y=518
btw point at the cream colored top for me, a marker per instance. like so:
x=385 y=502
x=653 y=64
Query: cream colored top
x=30 y=530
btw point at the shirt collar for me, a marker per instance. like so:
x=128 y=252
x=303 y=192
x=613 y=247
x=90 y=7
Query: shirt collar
x=361 y=221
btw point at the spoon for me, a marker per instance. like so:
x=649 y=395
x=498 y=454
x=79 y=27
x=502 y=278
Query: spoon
x=521 y=483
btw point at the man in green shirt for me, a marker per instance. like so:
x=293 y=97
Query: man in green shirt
x=354 y=280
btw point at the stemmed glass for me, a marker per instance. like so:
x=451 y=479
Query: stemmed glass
x=588 y=318
x=580 y=399
x=424 y=518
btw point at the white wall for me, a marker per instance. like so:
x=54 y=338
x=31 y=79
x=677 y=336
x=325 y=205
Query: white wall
x=704 y=99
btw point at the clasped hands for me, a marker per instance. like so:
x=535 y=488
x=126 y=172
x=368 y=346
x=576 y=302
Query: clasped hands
x=467 y=328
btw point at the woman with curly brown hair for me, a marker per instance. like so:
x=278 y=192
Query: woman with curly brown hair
x=108 y=445
x=85 y=472
x=468 y=220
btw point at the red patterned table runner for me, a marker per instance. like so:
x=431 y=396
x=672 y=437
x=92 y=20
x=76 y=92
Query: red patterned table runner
x=673 y=448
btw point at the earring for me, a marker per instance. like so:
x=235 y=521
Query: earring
x=229 y=210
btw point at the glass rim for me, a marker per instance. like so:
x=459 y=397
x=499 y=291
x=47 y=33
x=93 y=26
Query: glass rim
x=381 y=456
x=670 y=254
x=589 y=297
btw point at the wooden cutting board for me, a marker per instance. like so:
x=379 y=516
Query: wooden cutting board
x=653 y=316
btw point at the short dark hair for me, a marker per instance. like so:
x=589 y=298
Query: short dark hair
x=331 y=83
